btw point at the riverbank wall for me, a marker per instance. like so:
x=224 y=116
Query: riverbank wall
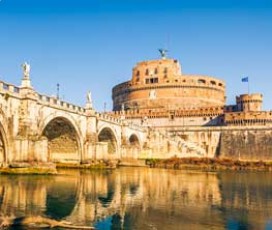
x=236 y=143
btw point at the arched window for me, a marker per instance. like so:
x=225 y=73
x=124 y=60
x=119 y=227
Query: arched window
x=202 y=81
x=147 y=72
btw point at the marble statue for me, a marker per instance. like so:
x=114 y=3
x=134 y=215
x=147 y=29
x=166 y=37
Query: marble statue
x=89 y=99
x=26 y=69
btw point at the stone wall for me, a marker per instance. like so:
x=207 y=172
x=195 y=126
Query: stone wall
x=249 y=145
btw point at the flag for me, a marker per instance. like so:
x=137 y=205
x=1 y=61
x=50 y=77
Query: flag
x=245 y=79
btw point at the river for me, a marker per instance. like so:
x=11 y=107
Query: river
x=143 y=198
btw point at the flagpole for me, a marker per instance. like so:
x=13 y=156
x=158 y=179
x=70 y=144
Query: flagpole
x=248 y=93
x=248 y=87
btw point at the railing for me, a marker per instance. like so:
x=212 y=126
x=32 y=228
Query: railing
x=55 y=102
x=108 y=117
x=9 y=88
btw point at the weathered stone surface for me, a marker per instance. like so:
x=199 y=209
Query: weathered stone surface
x=250 y=145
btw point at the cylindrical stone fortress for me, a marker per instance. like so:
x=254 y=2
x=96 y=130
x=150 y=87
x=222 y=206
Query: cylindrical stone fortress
x=160 y=84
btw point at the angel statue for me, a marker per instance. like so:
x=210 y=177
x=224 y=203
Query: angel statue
x=89 y=99
x=26 y=69
x=163 y=53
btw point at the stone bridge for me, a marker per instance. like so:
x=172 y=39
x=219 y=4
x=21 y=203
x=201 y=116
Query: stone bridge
x=39 y=128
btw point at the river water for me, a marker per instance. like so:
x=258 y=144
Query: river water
x=143 y=198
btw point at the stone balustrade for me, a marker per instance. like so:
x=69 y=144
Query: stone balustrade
x=9 y=88
x=57 y=103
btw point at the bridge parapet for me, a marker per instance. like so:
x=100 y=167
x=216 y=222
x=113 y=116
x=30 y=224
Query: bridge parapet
x=39 y=128
x=57 y=103
x=9 y=88
x=110 y=118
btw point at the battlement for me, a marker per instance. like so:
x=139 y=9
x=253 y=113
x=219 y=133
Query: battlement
x=248 y=118
x=157 y=113
x=249 y=102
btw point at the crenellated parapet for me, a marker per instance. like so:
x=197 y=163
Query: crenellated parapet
x=249 y=102
x=251 y=118
x=157 y=113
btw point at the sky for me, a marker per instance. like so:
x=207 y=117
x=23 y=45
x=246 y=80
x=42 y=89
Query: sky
x=94 y=44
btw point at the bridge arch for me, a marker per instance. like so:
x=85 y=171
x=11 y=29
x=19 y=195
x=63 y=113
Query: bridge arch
x=107 y=135
x=134 y=140
x=3 y=146
x=64 y=138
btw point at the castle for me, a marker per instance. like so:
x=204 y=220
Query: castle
x=159 y=92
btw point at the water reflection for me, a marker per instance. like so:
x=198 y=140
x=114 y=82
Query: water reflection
x=141 y=198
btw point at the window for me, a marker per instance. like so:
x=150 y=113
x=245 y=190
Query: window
x=138 y=73
x=147 y=72
x=201 y=81
x=165 y=70
x=156 y=70
x=151 y=80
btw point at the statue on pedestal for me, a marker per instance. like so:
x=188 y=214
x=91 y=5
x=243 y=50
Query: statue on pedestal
x=89 y=104
x=26 y=70
x=163 y=53
x=26 y=83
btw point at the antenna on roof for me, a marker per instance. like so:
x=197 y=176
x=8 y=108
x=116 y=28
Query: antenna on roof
x=163 y=53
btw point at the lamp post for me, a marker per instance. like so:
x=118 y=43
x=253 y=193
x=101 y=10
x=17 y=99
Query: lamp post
x=58 y=87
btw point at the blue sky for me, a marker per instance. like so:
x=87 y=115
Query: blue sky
x=93 y=45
